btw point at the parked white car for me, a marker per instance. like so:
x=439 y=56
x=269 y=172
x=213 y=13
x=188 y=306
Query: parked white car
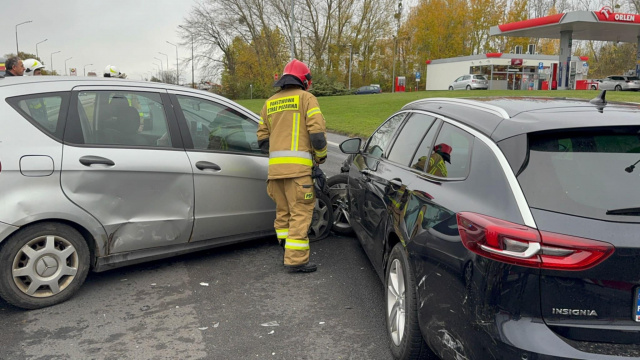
x=620 y=83
x=470 y=82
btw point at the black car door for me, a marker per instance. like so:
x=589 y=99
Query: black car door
x=381 y=180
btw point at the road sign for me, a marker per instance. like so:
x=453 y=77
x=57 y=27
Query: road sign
x=73 y=72
x=417 y=75
x=540 y=65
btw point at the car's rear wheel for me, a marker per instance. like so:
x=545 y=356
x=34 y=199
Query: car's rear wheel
x=402 y=310
x=468 y=87
x=340 y=203
x=618 y=88
x=43 y=265
x=593 y=87
x=322 y=219
x=450 y=87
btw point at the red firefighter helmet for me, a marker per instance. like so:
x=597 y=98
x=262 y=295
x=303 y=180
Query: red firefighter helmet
x=444 y=150
x=298 y=69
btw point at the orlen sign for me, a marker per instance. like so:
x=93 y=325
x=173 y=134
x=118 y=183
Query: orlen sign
x=607 y=14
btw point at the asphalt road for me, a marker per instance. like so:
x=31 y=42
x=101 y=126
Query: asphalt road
x=235 y=302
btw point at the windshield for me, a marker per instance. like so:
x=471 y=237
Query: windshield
x=585 y=172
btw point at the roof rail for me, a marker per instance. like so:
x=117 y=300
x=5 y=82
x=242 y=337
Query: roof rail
x=495 y=110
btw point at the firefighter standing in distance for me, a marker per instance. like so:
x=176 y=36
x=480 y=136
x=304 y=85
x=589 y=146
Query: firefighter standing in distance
x=292 y=131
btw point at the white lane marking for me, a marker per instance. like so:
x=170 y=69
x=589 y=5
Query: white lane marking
x=332 y=143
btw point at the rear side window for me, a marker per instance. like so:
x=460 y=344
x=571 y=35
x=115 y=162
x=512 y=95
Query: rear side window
x=459 y=143
x=588 y=172
x=45 y=111
x=480 y=77
x=123 y=118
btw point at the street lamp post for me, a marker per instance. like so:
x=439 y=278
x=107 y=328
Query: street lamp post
x=167 y=56
x=52 y=60
x=158 y=69
x=38 y=55
x=177 y=75
x=161 y=69
x=17 y=49
x=193 y=84
x=350 y=61
x=85 y=69
x=65 y=65
x=397 y=15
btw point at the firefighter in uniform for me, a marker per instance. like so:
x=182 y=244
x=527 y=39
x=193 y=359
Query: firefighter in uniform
x=292 y=131
x=441 y=153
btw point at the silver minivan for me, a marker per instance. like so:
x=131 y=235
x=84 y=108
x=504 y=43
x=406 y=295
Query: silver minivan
x=470 y=82
x=98 y=173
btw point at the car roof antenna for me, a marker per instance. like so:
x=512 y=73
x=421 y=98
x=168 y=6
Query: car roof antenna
x=599 y=100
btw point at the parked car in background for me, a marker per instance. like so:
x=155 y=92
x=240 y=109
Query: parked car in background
x=470 y=82
x=620 y=83
x=92 y=182
x=503 y=228
x=368 y=90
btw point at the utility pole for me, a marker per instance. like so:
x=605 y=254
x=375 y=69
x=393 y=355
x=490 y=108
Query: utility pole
x=397 y=15
x=293 y=36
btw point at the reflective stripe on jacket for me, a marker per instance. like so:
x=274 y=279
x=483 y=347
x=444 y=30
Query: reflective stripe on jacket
x=286 y=120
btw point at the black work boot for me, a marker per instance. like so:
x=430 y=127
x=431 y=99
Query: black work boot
x=306 y=268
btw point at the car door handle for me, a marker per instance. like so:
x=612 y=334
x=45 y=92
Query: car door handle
x=205 y=165
x=95 y=160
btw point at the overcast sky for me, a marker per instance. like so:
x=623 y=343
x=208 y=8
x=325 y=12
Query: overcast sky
x=124 y=33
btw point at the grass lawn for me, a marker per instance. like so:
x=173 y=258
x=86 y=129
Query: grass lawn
x=360 y=115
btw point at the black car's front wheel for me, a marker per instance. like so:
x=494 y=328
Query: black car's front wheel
x=402 y=310
x=42 y=265
x=340 y=203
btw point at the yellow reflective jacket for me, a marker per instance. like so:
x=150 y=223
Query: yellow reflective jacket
x=286 y=120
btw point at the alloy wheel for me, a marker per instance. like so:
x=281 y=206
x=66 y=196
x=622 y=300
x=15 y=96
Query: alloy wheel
x=340 y=206
x=396 y=311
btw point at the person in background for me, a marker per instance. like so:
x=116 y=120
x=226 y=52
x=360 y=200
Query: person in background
x=33 y=67
x=15 y=66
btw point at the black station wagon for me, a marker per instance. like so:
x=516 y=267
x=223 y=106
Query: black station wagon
x=503 y=228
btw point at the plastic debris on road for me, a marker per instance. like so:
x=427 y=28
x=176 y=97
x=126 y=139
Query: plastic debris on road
x=204 y=284
x=216 y=325
x=271 y=332
x=270 y=323
x=203 y=328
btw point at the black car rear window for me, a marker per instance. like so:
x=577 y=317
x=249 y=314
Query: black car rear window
x=586 y=172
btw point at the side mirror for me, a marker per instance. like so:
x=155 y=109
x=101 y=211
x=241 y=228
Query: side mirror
x=351 y=146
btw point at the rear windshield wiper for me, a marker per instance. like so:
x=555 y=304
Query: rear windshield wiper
x=628 y=211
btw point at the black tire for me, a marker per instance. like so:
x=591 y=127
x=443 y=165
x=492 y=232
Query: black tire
x=593 y=87
x=450 y=87
x=618 y=88
x=406 y=341
x=39 y=250
x=468 y=87
x=340 y=203
x=322 y=219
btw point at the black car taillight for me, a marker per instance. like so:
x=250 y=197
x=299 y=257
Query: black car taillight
x=521 y=245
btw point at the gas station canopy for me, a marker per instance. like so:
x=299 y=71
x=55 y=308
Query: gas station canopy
x=603 y=25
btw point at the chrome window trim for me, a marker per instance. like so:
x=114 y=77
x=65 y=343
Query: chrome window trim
x=492 y=109
x=516 y=190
